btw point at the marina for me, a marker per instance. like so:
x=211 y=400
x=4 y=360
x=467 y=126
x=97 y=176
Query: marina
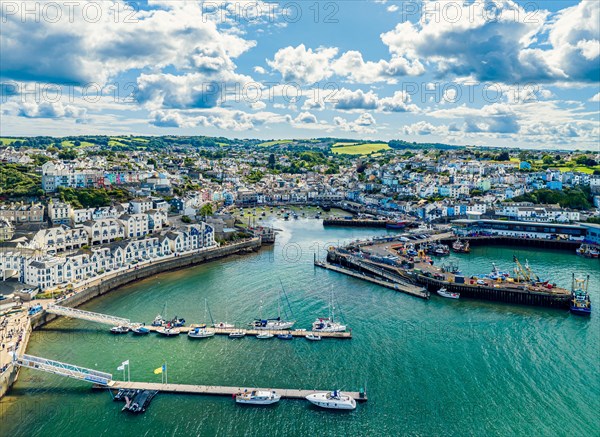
x=465 y=334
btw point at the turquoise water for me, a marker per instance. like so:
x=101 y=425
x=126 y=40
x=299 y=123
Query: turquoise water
x=435 y=367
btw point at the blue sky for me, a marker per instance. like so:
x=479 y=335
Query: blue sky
x=486 y=72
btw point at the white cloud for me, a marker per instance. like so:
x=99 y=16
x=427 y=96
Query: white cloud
x=596 y=98
x=302 y=65
x=305 y=118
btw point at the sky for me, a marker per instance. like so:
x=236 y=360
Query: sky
x=478 y=72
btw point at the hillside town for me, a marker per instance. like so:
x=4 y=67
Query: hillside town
x=88 y=212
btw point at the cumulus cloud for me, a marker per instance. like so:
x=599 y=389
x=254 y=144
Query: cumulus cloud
x=346 y=99
x=302 y=65
x=220 y=118
x=364 y=124
x=84 y=51
x=305 y=118
x=49 y=110
x=493 y=41
x=419 y=128
x=596 y=98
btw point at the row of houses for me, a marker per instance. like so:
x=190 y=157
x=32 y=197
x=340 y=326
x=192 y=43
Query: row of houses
x=47 y=271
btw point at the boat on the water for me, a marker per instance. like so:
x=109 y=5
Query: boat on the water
x=581 y=304
x=460 y=247
x=275 y=324
x=328 y=324
x=264 y=335
x=168 y=331
x=158 y=321
x=313 y=337
x=177 y=322
x=587 y=251
x=396 y=225
x=201 y=331
x=140 y=330
x=335 y=400
x=257 y=397
x=285 y=336
x=237 y=334
x=119 y=330
x=449 y=294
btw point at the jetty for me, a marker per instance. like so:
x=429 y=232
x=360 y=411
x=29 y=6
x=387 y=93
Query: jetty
x=216 y=390
x=104 y=380
x=119 y=321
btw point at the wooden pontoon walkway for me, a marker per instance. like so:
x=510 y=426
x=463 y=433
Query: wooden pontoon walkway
x=253 y=332
x=217 y=390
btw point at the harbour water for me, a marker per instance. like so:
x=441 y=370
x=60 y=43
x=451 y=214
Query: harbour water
x=438 y=367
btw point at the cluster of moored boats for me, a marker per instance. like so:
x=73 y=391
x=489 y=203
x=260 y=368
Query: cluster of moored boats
x=588 y=251
x=335 y=400
x=268 y=328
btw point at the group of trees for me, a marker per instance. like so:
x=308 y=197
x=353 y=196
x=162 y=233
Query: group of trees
x=575 y=198
x=92 y=197
x=19 y=181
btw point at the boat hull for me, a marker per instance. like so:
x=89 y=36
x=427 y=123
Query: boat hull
x=581 y=311
x=321 y=400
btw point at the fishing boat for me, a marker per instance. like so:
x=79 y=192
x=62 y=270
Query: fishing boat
x=168 y=331
x=396 y=225
x=119 y=330
x=264 y=335
x=460 y=247
x=497 y=274
x=257 y=397
x=140 y=330
x=328 y=324
x=449 y=294
x=237 y=334
x=313 y=337
x=285 y=336
x=334 y=400
x=581 y=304
x=587 y=251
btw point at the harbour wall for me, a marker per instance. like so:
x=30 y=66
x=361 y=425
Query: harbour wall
x=517 y=241
x=8 y=377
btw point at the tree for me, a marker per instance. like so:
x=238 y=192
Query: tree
x=67 y=154
x=504 y=156
x=186 y=219
x=547 y=159
x=206 y=210
x=271 y=161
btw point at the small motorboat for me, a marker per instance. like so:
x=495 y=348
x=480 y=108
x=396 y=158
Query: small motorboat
x=119 y=330
x=285 y=336
x=177 y=322
x=335 y=400
x=168 y=331
x=449 y=294
x=264 y=336
x=237 y=334
x=313 y=337
x=200 y=333
x=257 y=397
x=140 y=330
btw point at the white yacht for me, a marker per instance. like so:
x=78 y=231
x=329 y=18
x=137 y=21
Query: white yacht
x=223 y=325
x=328 y=324
x=313 y=337
x=200 y=333
x=335 y=400
x=168 y=331
x=237 y=334
x=257 y=397
x=264 y=336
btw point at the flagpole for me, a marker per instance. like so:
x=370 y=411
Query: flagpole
x=128 y=372
x=123 y=371
x=166 y=374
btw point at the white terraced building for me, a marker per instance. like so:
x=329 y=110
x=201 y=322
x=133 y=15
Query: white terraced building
x=44 y=271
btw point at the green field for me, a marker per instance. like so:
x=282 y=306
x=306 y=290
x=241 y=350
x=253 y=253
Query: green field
x=8 y=141
x=580 y=169
x=358 y=149
x=274 y=143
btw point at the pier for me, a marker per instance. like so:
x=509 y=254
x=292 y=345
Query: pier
x=104 y=380
x=362 y=223
x=119 y=321
x=397 y=286
x=218 y=390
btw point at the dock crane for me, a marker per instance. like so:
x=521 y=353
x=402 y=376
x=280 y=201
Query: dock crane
x=524 y=273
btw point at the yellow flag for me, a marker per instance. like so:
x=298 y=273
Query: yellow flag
x=158 y=371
